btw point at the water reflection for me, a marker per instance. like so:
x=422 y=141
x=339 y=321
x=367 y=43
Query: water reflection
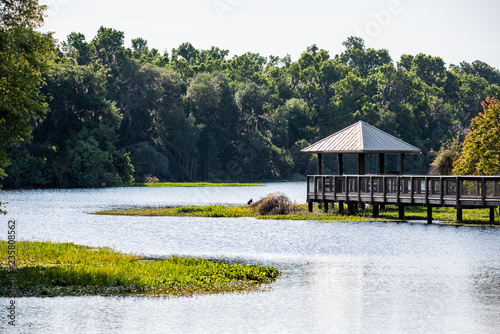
x=336 y=294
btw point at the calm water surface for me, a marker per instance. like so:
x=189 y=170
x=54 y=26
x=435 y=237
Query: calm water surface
x=337 y=277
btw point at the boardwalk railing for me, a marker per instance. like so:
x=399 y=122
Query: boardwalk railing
x=405 y=190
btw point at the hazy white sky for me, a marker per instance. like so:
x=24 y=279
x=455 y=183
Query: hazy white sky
x=455 y=30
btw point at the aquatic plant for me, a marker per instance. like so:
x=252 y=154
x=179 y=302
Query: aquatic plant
x=54 y=269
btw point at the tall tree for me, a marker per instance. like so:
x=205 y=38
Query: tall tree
x=481 y=148
x=24 y=58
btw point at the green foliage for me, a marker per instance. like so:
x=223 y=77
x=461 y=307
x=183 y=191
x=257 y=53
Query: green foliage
x=26 y=170
x=481 y=148
x=25 y=55
x=199 y=115
x=95 y=162
x=147 y=161
x=56 y=269
x=446 y=157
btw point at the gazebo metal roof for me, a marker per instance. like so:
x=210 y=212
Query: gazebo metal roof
x=361 y=137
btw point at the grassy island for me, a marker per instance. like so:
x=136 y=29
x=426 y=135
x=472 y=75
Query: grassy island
x=444 y=215
x=46 y=269
x=190 y=184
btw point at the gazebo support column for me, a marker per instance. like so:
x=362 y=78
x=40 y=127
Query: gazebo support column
x=403 y=163
x=341 y=164
x=320 y=164
x=381 y=163
x=320 y=172
x=361 y=164
x=341 y=172
x=381 y=171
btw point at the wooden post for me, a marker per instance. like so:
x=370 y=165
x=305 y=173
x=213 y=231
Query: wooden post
x=341 y=207
x=401 y=212
x=403 y=163
x=375 y=210
x=483 y=191
x=426 y=191
x=350 y=208
x=310 y=206
x=361 y=163
x=459 y=214
x=412 y=195
x=492 y=215
x=325 y=206
x=429 y=214
x=381 y=163
x=383 y=187
x=320 y=164
x=441 y=188
x=341 y=164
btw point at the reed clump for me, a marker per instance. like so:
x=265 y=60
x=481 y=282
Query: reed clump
x=275 y=204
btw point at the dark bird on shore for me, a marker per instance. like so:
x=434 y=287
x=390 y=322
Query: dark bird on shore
x=250 y=201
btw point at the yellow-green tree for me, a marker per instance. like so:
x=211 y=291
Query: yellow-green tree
x=481 y=148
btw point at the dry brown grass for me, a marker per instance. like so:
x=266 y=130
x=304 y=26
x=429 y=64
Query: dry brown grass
x=275 y=204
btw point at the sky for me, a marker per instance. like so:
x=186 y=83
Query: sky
x=455 y=30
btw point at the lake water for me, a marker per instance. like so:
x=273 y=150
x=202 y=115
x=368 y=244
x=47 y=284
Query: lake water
x=342 y=277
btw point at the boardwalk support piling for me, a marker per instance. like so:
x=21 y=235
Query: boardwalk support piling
x=429 y=214
x=459 y=213
x=350 y=208
x=375 y=210
x=401 y=212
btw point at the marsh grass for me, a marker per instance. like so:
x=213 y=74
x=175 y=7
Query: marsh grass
x=57 y=269
x=299 y=212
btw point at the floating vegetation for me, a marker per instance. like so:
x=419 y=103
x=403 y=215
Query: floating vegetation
x=46 y=269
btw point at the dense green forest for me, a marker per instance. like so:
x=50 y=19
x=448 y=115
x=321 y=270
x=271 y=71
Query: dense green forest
x=116 y=114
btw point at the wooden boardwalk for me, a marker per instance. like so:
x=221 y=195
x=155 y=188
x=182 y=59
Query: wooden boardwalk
x=460 y=192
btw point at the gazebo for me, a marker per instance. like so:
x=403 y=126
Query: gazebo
x=361 y=138
x=392 y=187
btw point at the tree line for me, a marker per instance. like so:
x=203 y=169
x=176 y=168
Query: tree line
x=114 y=114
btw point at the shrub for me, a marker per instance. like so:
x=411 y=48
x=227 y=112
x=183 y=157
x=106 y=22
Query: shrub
x=151 y=179
x=274 y=204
